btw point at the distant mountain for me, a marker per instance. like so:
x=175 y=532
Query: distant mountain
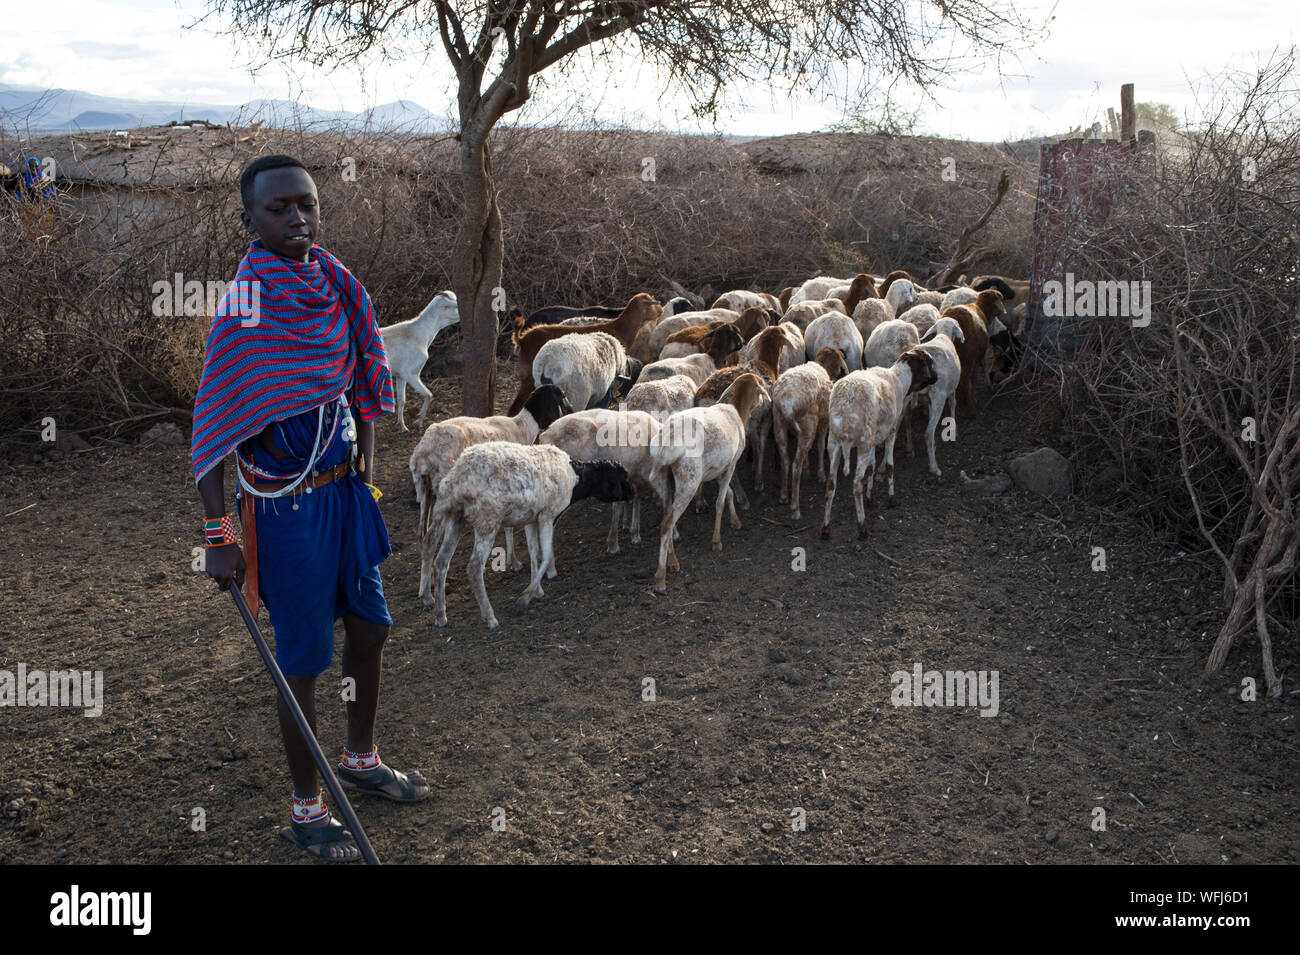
x=59 y=110
x=283 y=112
x=99 y=119
x=403 y=114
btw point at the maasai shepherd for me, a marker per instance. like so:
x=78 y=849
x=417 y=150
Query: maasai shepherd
x=293 y=378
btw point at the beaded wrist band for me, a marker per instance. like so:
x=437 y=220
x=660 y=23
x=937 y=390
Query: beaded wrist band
x=220 y=531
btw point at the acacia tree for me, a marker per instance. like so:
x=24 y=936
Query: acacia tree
x=698 y=47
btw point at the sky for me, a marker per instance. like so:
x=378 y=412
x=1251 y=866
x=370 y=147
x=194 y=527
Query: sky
x=159 y=49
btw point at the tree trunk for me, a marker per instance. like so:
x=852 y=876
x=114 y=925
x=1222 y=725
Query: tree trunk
x=476 y=276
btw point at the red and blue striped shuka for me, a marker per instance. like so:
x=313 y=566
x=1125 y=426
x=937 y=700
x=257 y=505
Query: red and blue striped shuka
x=309 y=336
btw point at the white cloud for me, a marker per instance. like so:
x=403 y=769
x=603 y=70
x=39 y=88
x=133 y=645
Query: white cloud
x=142 y=49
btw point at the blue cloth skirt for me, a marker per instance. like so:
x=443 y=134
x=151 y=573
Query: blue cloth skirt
x=318 y=554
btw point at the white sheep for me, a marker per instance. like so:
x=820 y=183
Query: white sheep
x=758 y=426
x=624 y=437
x=887 y=342
x=870 y=313
x=939 y=345
x=803 y=313
x=922 y=316
x=834 y=330
x=817 y=288
x=697 y=367
x=865 y=410
x=659 y=399
x=962 y=295
x=442 y=444
x=662 y=397
x=901 y=294
x=407 y=346
x=502 y=484
x=583 y=366
x=800 y=399
x=698 y=445
x=923 y=297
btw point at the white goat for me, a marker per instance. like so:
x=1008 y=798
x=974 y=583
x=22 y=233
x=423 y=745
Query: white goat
x=407 y=346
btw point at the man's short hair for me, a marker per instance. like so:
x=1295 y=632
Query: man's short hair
x=262 y=164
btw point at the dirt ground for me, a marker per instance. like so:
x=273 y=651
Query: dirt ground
x=772 y=685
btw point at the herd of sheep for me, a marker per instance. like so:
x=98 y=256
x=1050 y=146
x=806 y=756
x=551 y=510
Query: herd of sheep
x=668 y=398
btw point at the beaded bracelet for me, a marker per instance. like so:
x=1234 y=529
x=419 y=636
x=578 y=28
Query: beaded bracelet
x=219 y=531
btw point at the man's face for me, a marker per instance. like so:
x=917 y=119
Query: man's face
x=285 y=212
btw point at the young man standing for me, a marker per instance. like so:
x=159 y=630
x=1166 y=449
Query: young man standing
x=293 y=378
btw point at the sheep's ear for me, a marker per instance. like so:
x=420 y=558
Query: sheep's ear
x=929 y=333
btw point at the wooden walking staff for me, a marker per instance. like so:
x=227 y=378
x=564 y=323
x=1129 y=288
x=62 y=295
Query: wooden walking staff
x=323 y=764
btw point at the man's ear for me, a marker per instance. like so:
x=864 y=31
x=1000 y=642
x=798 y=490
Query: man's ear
x=247 y=221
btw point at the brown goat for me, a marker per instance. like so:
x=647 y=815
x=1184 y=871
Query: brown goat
x=890 y=279
x=975 y=320
x=641 y=309
x=693 y=333
x=752 y=321
x=862 y=286
x=770 y=342
x=1018 y=303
